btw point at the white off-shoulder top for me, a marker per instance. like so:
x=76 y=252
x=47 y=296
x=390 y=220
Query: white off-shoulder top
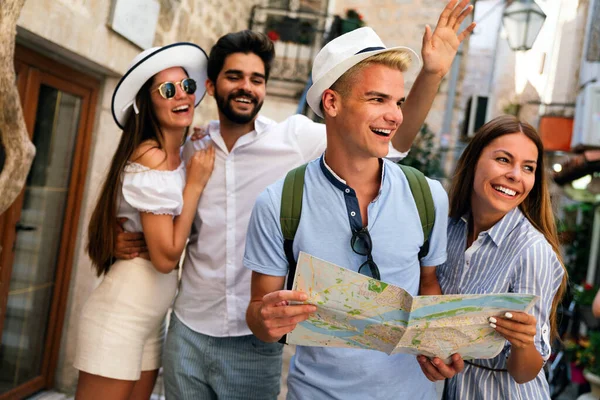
x=149 y=190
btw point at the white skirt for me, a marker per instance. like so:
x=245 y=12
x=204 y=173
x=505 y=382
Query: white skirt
x=122 y=324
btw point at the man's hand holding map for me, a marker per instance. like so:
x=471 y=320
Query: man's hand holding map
x=356 y=311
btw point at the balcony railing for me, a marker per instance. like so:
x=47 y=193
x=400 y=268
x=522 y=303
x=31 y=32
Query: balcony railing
x=298 y=36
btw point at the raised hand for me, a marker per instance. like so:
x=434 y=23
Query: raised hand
x=437 y=370
x=517 y=327
x=440 y=47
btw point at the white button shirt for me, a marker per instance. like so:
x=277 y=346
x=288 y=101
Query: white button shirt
x=215 y=287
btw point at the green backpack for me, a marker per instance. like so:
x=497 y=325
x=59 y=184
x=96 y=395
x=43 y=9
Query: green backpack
x=291 y=209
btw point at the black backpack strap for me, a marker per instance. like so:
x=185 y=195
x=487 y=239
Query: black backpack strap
x=289 y=216
x=421 y=193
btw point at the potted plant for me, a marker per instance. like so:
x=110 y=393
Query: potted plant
x=512 y=108
x=584 y=297
x=575 y=227
x=424 y=154
x=573 y=350
x=589 y=359
x=556 y=131
x=353 y=21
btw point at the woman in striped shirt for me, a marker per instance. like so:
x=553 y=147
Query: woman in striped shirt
x=502 y=238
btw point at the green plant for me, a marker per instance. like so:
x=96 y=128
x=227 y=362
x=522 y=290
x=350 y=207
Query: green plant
x=571 y=347
x=588 y=355
x=575 y=229
x=352 y=21
x=584 y=294
x=512 y=109
x=424 y=154
x=353 y=14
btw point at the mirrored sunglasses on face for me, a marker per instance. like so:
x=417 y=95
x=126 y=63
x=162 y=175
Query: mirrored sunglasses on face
x=168 y=89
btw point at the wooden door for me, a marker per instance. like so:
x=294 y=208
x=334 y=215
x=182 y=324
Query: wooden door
x=38 y=232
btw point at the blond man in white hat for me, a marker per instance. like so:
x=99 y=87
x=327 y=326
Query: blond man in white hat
x=351 y=195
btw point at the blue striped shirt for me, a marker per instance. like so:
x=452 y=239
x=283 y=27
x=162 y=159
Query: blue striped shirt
x=512 y=257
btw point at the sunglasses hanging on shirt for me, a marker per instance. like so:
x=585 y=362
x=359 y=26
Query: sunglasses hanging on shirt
x=362 y=244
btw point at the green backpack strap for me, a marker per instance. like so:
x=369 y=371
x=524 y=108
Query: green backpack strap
x=424 y=201
x=289 y=216
x=291 y=209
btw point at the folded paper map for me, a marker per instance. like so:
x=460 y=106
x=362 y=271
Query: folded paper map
x=356 y=311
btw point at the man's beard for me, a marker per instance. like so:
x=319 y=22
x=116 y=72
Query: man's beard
x=224 y=106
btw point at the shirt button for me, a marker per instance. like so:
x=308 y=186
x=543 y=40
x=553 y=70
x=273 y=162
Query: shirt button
x=352 y=213
x=347 y=190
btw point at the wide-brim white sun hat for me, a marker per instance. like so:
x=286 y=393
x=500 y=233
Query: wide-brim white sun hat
x=148 y=63
x=344 y=52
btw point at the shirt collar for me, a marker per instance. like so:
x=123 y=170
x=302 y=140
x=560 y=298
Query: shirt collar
x=506 y=225
x=261 y=124
x=337 y=181
x=332 y=176
x=502 y=228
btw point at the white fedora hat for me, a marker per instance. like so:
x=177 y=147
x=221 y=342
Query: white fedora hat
x=344 y=52
x=150 y=62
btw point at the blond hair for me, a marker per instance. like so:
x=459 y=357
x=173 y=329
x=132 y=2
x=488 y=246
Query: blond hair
x=395 y=59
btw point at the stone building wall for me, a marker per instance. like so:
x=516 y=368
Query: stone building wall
x=76 y=33
x=201 y=22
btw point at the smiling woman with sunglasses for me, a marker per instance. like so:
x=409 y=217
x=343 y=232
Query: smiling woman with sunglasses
x=121 y=327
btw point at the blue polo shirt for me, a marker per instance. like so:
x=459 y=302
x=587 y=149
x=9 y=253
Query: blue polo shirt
x=329 y=212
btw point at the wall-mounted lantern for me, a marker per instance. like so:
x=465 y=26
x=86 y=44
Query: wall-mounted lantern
x=522 y=20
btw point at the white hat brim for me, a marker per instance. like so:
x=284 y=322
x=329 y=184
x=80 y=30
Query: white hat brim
x=189 y=56
x=315 y=92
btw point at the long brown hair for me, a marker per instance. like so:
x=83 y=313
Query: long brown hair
x=138 y=129
x=536 y=207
